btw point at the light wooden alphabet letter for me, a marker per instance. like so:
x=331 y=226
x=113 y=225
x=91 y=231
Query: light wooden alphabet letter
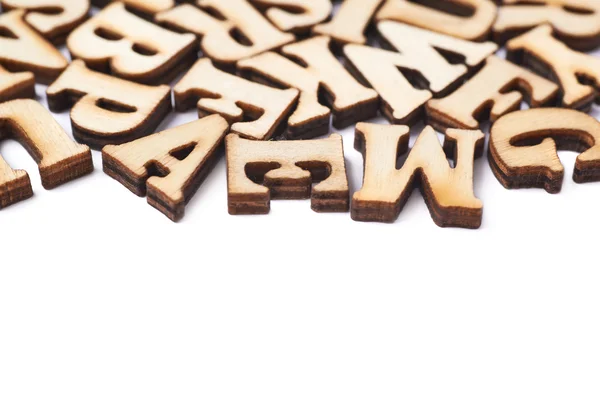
x=108 y=110
x=119 y=42
x=495 y=91
x=549 y=57
x=59 y=159
x=523 y=148
x=350 y=22
x=22 y=49
x=448 y=191
x=215 y=91
x=217 y=40
x=350 y=101
x=401 y=102
x=258 y=171
x=444 y=16
x=168 y=166
x=54 y=19
x=145 y=8
x=576 y=22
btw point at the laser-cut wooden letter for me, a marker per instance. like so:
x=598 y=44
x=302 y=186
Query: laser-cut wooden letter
x=108 y=110
x=350 y=101
x=16 y=85
x=519 y=164
x=302 y=14
x=42 y=15
x=475 y=27
x=258 y=171
x=576 y=22
x=350 y=22
x=215 y=91
x=217 y=41
x=498 y=89
x=59 y=159
x=447 y=191
x=22 y=49
x=119 y=42
x=401 y=102
x=539 y=51
x=181 y=157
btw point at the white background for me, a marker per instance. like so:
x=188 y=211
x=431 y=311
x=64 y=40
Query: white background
x=105 y=303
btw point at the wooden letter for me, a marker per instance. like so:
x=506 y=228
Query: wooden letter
x=351 y=101
x=118 y=42
x=542 y=53
x=444 y=16
x=297 y=16
x=108 y=110
x=401 y=102
x=54 y=19
x=145 y=8
x=22 y=49
x=217 y=41
x=494 y=91
x=447 y=191
x=576 y=22
x=215 y=91
x=258 y=171
x=17 y=85
x=350 y=22
x=59 y=159
x=168 y=166
x=523 y=148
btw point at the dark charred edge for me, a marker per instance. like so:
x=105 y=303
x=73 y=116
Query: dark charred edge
x=360 y=112
x=15 y=191
x=67 y=170
x=441 y=122
x=248 y=204
x=282 y=190
x=531 y=177
x=98 y=141
x=21 y=91
x=448 y=217
x=586 y=172
x=113 y=168
x=308 y=130
x=532 y=62
x=45 y=76
x=331 y=202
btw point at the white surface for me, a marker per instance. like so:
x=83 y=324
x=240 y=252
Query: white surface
x=105 y=303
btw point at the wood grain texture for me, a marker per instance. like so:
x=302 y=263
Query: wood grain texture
x=236 y=99
x=523 y=148
x=108 y=110
x=53 y=19
x=23 y=49
x=118 y=42
x=448 y=192
x=320 y=71
x=418 y=52
x=16 y=85
x=145 y=8
x=444 y=16
x=217 y=38
x=296 y=16
x=350 y=22
x=577 y=74
x=494 y=91
x=258 y=171
x=169 y=166
x=575 y=22
x=59 y=159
